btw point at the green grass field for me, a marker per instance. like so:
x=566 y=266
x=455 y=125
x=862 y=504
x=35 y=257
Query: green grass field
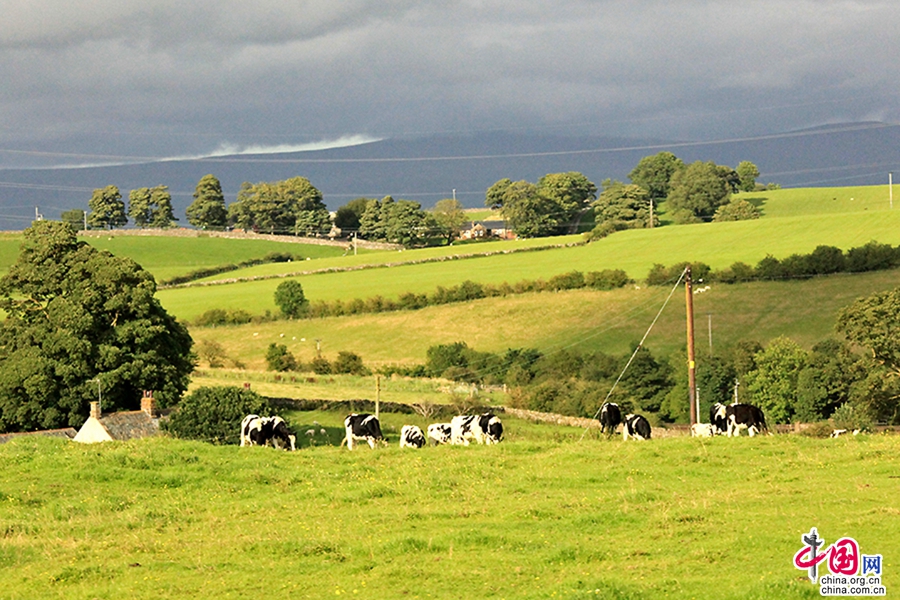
x=581 y=319
x=540 y=515
x=810 y=201
x=635 y=251
x=167 y=257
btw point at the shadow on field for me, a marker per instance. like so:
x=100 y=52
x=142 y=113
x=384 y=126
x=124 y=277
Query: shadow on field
x=759 y=202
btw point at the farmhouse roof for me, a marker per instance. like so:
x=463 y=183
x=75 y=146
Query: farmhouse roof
x=484 y=224
x=122 y=425
x=66 y=433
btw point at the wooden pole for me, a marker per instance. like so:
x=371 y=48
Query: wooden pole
x=692 y=378
x=377 y=396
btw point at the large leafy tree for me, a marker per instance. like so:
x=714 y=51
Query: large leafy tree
x=75 y=218
x=151 y=207
x=77 y=319
x=493 y=198
x=698 y=190
x=529 y=213
x=347 y=218
x=289 y=297
x=826 y=381
x=773 y=384
x=654 y=173
x=628 y=204
x=107 y=208
x=395 y=221
x=572 y=192
x=290 y=206
x=208 y=211
x=747 y=173
x=873 y=322
x=449 y=217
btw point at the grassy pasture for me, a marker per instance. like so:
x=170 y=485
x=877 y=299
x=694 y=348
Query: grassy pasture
x=395 y=257
x=540 y=515
x=9 y=250
x=811 y=201
x=582 y=319
x=168 y=256
x=635 y=251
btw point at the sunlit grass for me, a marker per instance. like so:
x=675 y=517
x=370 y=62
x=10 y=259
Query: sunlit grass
x=540 y=515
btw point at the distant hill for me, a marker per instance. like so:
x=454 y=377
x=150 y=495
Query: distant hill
x=427 y=169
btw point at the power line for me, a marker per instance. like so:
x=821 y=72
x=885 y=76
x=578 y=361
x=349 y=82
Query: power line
x=419 y=159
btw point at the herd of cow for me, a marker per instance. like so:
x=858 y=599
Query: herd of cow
x=487 y=428
x=723 y=420
x=482 y=429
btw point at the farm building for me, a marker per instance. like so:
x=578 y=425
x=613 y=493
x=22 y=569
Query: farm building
x=122 y=425
x=486 y=229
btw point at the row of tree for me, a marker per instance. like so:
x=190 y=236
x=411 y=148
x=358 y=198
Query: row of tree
x=553 y=205
x=147 y=207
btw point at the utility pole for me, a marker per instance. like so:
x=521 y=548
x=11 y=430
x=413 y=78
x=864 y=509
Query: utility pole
x=377 y=395
x=891 y=188
x=692 y=376
x=651 y=213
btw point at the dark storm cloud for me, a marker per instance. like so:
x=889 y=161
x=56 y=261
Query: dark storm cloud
x=162 y=78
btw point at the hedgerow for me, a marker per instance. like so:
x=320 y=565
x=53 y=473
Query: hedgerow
x=824 y=260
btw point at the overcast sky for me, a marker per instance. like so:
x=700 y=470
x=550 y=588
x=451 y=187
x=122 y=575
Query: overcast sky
x=161 y=78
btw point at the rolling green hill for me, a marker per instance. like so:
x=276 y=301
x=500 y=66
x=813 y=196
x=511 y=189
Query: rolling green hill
x=581 y=319
x=635 y=251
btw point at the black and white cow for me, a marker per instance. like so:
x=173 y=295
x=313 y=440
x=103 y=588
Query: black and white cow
x=484 y=429
x=610 y=417
x=441 y=433
x=718 y=418
x=411 y=437
x=262 y=431
x=362 y=427
x=745 y=416
x=635 y=426
x=245 y=429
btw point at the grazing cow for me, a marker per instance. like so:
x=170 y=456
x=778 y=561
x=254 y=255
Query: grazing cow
x=411 y=437
x=261 y=431
x=635 y=426
x=362 y=427
x=718 y=418
x=440 y=433
x=703 y=430
x=245 y=429
x=610 y=418
x=840 y=432
x=484 y=429
x=745 y=416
